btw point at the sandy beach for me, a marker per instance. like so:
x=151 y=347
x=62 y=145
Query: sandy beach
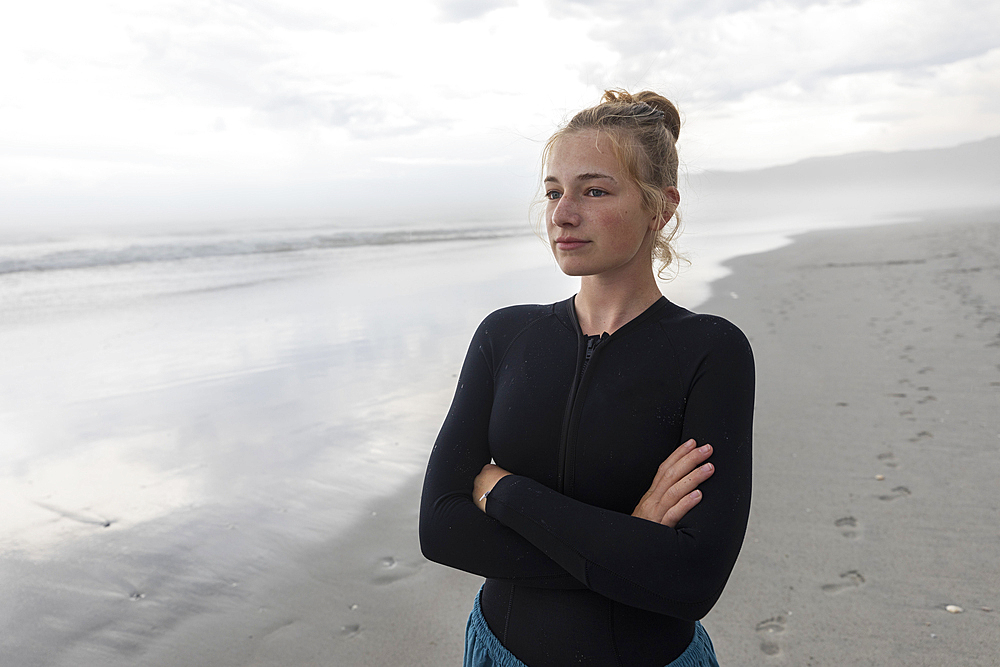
x=878 y=354
x=876 y=448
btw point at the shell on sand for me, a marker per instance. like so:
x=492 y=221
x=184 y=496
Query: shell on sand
x=953 y=609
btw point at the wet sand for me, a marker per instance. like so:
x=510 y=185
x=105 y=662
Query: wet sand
x=878 y=355
x=175 y=435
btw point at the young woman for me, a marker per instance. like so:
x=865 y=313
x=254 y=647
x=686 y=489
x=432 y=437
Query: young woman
x=601 y=530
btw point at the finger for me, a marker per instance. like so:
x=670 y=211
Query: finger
x=666 y=477
x=673 y=468
x=690 y=462
x=689 y=482
x=682 y=450
x=683 y=506
x=683 y=487
x=675 y=457
x=480 y=484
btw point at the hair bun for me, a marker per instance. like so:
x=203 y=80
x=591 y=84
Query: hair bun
x=671 y=116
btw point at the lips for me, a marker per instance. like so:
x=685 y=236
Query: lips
x=570 y=243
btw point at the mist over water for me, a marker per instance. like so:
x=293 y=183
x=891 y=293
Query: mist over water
x=180 y=407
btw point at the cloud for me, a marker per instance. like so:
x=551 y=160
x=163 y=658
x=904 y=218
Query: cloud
x=757 y=79
x=678 y=10
x=464 y=10
x=284 y=69
x=441 y=161
x=725 y=49
x=286 y=15
x=257 y=95
x=363 y=117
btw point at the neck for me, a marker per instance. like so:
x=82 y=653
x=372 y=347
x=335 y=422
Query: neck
x=606 y=304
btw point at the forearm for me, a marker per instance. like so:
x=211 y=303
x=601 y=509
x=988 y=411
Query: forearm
x=678 y=572
x=454 y=532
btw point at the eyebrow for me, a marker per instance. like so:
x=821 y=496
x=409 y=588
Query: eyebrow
x=592 y=176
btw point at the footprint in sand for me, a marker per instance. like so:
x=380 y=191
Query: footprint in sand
x=898 y=492
x=850 y=579
x=888 y=459
x=768 y=631
x=849 y=527
x=389 y=570
x=77 y=516
x=921 y=436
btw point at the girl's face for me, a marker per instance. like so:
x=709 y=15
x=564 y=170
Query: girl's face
x=594 y=216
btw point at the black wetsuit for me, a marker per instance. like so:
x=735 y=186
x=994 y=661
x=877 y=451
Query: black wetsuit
x=572 y=577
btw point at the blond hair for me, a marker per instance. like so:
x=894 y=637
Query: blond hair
x=643 y=130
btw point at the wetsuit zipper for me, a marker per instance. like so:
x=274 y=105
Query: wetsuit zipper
x=567 y=458
x=592 y=342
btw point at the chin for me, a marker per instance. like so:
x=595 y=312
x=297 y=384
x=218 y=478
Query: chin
x=575 y=269
x=578 y=264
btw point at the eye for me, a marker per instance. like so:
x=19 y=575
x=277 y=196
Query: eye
x=553 y=195
x=596 y=192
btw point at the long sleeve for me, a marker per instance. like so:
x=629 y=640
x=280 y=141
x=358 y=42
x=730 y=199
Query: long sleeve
x=678 y=572
x=453 y=531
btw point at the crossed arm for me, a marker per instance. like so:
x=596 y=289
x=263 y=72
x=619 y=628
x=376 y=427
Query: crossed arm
x=672 y=494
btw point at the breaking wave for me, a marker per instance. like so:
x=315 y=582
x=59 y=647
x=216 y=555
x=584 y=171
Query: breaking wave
x=62 y=256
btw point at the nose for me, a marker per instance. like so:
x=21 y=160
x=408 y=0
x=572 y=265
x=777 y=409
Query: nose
x=565 y=213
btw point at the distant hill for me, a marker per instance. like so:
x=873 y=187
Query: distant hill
x=876 y=183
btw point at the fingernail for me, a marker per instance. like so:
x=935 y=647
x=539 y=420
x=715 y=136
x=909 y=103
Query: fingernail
x=708 y=467
x=690 y=443
x=705 y=448
x=696 y=494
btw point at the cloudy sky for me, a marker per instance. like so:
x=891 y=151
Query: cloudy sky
x=190 y=111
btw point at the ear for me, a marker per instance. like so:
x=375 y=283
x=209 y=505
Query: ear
x=674 y=199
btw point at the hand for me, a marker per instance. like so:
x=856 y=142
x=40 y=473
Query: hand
x=675 y=488
x=485 y=480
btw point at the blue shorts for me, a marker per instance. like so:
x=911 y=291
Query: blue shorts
x=483 y=649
